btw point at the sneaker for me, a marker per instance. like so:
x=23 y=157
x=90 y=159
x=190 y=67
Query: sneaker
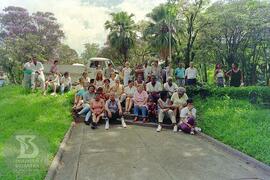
x=175 y=128
x=159 y=128
x=53 y=94
x=123 y=122
x=198 y=129
x=192 y=132
x=93 y=125
x=179 y=130
x=107 y=125
x=87 y=123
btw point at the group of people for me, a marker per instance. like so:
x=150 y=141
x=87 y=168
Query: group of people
x=110 y=96
x=34 y=73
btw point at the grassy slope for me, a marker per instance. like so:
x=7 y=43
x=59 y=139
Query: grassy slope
x=49 y=117
x=237 y=123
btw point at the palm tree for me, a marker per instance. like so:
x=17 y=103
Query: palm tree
x=159 y=31
x=122 y=32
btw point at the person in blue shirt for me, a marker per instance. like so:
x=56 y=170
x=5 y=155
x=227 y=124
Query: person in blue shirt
x=180 y=75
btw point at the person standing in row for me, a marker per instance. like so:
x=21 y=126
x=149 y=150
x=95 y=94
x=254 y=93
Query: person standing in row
x=54 y=68
x=180 y=75
x=236 y=76
x=191 y=74
x=219 y=75
x=156 y=71
x=37 y=73
x=126 y=74
x=108 y=71
x=27 y=71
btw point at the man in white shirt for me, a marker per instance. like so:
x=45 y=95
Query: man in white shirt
x=156 y=71
x=126 y=73
x=170 y=86
x=37 y=74
x=153 y=88
x=191 y=74
x=65 y=83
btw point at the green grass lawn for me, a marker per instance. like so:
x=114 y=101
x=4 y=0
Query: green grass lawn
x=48 y=117
x=237 y=123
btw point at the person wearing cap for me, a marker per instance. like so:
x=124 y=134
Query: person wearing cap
x=170 y=86
x=113 y=111
x=108 y=71
x=179 y=100
x=191 y=74
x=97 y=107
x=37 y=73
x=165 y=109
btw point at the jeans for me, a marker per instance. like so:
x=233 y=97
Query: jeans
x=88 y=115
x=64 y=88
x=143 y=109
x=86 y=110
x=191 y=82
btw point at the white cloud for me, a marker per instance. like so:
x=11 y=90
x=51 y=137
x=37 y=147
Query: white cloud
x=84 y=23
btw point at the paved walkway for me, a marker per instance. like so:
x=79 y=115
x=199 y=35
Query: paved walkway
x=140 y=153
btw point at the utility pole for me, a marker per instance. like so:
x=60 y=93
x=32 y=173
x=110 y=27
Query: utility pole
x=170 y=34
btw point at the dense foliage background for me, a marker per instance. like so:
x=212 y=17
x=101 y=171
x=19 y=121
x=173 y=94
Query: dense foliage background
x=207 y=33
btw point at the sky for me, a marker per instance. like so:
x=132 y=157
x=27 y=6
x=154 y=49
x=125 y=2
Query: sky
x=83 y=20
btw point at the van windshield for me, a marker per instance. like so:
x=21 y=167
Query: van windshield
x=96 y=64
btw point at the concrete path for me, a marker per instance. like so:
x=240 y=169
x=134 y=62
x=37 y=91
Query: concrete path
x=140 y=153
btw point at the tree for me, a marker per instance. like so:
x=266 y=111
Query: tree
x=122 y=32
x=67 y=55
x=23 y=35
x=160 y=29
x=90 y=50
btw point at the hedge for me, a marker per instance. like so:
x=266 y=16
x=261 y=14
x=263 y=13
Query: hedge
x=258 y=93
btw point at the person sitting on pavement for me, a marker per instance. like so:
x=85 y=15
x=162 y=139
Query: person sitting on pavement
x=152 y=110
x=118 y=88
x=52 y=82
x=170 y=86
x=179 y=100
x=113 y=111
x=80 y=90
x=139 y=81
x=102 y=94
x=86 y=79
x=97 y=107
x=65 y=83
x=140 y=103
x=187 y=118
x=99 y=79
x=113 y=78
x=37 y=74
x=165 y=109
x=153 y=88
x=87 y=97
x=128 y=95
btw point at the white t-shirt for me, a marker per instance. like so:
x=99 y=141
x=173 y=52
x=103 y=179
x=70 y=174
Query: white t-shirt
x=130 y=91
x=191 y=73
x=151 y=88
x=185 y=112
x=179 y=101
x=66 y=81
x=169 y=88
x=38 y=67
x=126 y=72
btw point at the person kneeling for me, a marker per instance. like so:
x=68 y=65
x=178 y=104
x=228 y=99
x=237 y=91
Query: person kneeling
x=113 y=111
x=188 y=116
x=165 y=109
x=97 y=109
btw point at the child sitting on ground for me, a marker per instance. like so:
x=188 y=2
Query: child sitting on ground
x=152 y=110
x=53 y=82
x=188 y=116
